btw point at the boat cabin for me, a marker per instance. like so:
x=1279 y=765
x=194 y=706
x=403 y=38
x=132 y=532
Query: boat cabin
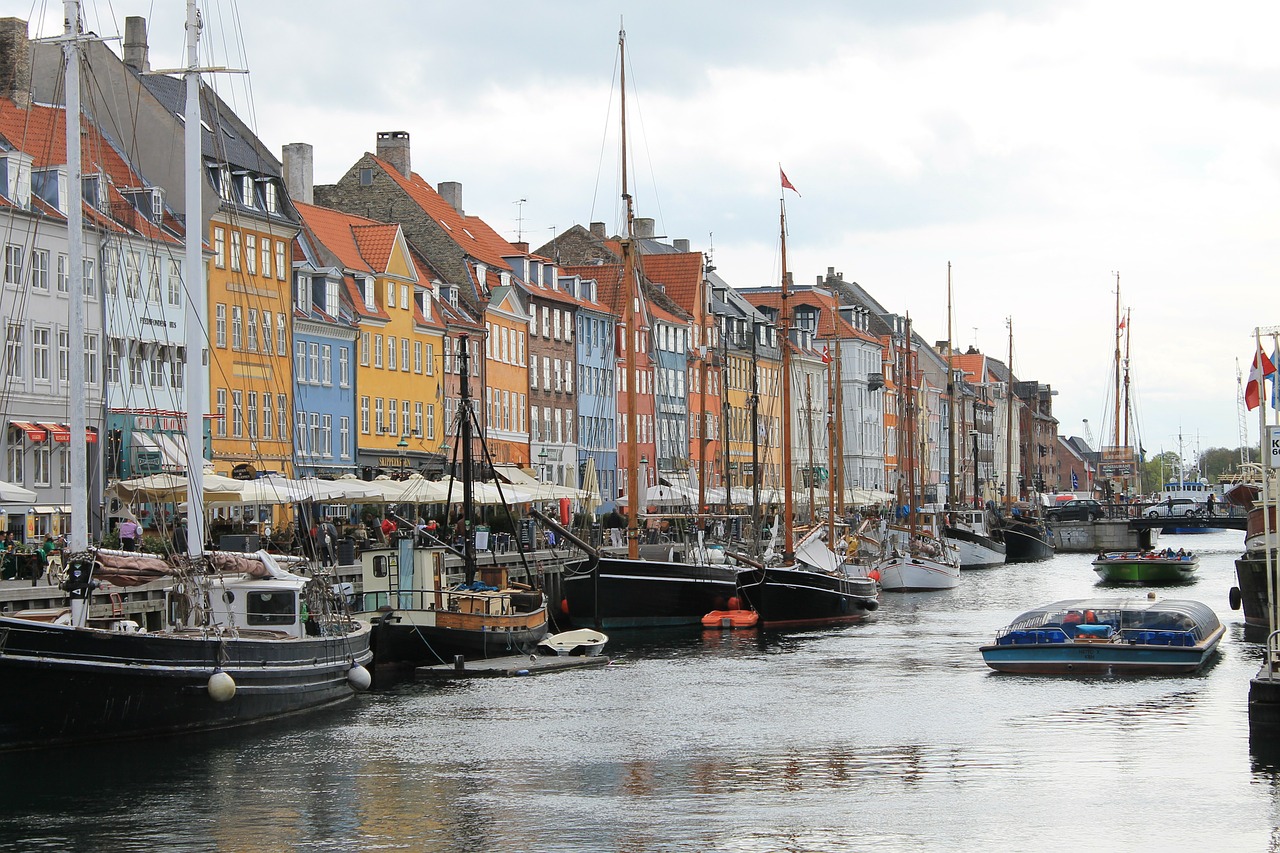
x=244 y=602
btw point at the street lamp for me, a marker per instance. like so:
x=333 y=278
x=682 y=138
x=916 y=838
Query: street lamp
x=542 y=464
x=644 y=466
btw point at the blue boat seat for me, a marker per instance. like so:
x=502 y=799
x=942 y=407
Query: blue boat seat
x=1094 y=630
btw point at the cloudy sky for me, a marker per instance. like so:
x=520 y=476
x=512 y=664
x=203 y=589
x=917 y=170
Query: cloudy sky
x=1040 y=147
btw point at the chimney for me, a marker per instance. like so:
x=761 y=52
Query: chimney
x=644 y=227
x=598 y=231
x=15 y=62
x=393 y=146
x=522 y=247
x=299 y=171
x=135 y=43
x=680 y=245
x=451 y=191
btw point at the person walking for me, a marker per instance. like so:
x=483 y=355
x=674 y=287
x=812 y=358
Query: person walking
x=129 y=534
x=1209 y=502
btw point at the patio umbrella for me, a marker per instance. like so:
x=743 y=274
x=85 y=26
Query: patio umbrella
x=12 y=494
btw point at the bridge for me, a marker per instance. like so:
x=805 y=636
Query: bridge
x=1199 y=522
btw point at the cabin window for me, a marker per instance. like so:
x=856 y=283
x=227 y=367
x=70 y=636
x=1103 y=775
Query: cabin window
x=278 y=607
x=379 y=567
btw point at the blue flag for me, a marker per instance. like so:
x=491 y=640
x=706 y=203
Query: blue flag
x=1075 y=483
x=1275 y=383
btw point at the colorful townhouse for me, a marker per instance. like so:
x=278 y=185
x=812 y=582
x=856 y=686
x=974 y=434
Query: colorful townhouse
x=597 y=403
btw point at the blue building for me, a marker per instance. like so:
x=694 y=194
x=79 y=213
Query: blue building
x=597 y=394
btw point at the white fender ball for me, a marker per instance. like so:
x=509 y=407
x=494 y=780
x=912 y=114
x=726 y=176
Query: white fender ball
x=221 y=687
x=359 y=677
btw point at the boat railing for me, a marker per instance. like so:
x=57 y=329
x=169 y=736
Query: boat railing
x=488 y=602
x=1273 y=652
x=1152 y=637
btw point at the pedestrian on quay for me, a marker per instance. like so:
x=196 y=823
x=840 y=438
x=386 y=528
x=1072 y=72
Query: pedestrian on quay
x=129 y=534
x=1209 y=502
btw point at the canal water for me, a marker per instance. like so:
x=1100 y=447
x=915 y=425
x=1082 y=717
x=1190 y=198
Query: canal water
x=889 y=736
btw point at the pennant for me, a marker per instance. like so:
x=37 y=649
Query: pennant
x=786 y=184
x=1262 y=368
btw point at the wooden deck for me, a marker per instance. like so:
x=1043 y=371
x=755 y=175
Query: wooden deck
x=507 y=667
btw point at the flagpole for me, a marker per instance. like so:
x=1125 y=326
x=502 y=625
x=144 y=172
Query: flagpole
x=1264 y=457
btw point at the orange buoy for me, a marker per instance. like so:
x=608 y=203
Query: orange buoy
x=564 y=606
x=874 y=574
x=734 y=603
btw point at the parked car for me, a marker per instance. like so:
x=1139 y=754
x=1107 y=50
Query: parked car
x=1080 y=509
x=1181 y=508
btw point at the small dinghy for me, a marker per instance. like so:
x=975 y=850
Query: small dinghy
x=582 y=642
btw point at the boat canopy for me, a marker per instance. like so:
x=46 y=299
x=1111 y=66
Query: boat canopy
x=1157 y=614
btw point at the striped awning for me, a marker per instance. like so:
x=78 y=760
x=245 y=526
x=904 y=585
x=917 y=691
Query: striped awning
x=58 y=431
x=34 y=432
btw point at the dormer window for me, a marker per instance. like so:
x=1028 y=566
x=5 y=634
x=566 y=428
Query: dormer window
x=157 y=204
x=223 y=175
x=247 y=195
x=370 y=300
x=271 y=196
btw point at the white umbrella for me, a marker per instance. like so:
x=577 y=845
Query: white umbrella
x=662 y=496
x=273 y=490
x=170 y=488
x=12 y=494
x=488 y=493
x=350 y=489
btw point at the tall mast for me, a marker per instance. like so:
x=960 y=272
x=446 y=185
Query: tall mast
x=193 y=273
x=808 y=422
x=838 y=417
x=908 y=449
x=951 y=404
x=628 y=324
x=788 y=551
x=464 y=439
x=79 y=447
x=724 y=414
x=703 y=352
x=1008 y=431
x=1115 y=422
x=755 y=437
x=831 y=443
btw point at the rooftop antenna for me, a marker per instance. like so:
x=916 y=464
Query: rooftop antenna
x=711 y=252
x=520 y=203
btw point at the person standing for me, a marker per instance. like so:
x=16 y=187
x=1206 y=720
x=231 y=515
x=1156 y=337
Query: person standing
x=1209 y=502
x=129 y=534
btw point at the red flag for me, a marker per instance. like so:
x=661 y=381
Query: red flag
x=1122 y=319
x=787 y=185
x=1262 y=368
x=826 y=353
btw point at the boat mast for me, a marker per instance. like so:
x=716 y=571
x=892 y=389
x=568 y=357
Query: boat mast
x=788 y=550
x=908 y=449
x=193 y=273
x=704 y=351
x=464 y=439
x=628 y=327
x=1008 y=432
x=79 y=447
x=754 y=403
x=1128 y=450
x=1115 y=423
x=724 y=413
x=808 y=414
x=838 y=417
x=951 y=405
x=831 y=442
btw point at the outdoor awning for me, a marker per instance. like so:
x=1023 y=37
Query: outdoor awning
x=514 y=475
x=58 y=431
x=61 y=432
x=172 y=450
x=34 y=432
x=45 y=510
x=144 y=441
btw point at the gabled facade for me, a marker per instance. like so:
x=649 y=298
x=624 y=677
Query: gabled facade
x=597 y=403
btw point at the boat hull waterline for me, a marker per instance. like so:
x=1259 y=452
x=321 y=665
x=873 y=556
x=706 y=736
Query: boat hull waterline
x=648 y=593
x=791 y=598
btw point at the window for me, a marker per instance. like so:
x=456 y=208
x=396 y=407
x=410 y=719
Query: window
x=219 y=248
x=221 y=411
x=366 y=177
x=417 y=356
x=253 y=414
x=316 y=444
x=326 y=435
x=391 y=352
x=271 y=608
x=237 y=414
x=344 y=437
x=132 y=275
x=364 y=415
x=393 y=417
x=266 y=252
x=404 y=355
x=272 y=199
x=282 y=343
x=546 y=322
x=520 y=350
x=267 y=346
x=280 y=270
x=40 y=354
x=417 y=422
x=404 y=416
x=235 y=251
x=364 y=349
x=110 y=270
x=555 y=324
x=404 y=297
x=64 y=274
x=220 y=325
x=251 y=254
x=300 y=362
x=344 y=368
x=113 y=361
x=377 y=415
x=175 y=282
x=253 y=330
x=431 y=360
x=156 y=363
x=16 y=457
x=266 y=416
x=13 y=350
x=90 y=285
x=390 y=301
x=282 y=422
x=13 y=265
x=237 y=327
x=326 y=365
x=377 y=350
x=40 y=270
x=506 y=410
x=64 y=467
x=154 y=293
x=64 y=355
x=178 y=368
x=313 y=350
x=246 y=191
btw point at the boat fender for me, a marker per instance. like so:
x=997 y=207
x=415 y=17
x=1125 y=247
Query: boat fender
x=874 y=574
x=522 y=672
x=871 y=605
x=533 y=658
x=1233 y=598
x=564 y=606
x=221 y=687
x=359 y=677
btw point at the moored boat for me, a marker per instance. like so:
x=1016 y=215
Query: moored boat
x=581 y=642
x=1107 y=635
x=1167 y=566
x=977 y=545
x=1026 y=538
x=731 y=619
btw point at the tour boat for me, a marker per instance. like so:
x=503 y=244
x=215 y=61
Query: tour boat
x=1107 y=635
x=1167 y=566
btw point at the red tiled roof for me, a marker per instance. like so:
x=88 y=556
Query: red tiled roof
x=375 y=243
x=679 y=273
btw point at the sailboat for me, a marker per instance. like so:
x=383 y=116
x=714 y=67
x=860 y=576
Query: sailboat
x=245 y=640
x=653 y=585
x=1027 y=538
x=915 y=557
x=811 y=587
x=421 y=615
x=970 y=531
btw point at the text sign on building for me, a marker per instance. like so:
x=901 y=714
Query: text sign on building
x=1273 y=446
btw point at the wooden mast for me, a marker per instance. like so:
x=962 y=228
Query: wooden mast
x=1115 y=423
x=788 y=549
x=1128 y=449
x=831 y=442
x=951 y=404
x=631 y=292
x=1008 y=432
x=907 y=448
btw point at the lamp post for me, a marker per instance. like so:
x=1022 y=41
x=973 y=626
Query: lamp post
x=977 y=496
x=542 y=465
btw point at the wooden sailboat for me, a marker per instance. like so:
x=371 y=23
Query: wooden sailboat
x=244 y=639
x=916 y=557
x=811 y=586
x=647 y=586
x=1027 y=539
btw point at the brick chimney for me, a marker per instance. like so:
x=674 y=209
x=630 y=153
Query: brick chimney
x=598 y=231
x=393 y=146
x=299 y=171
x=15 y=61
x=680 y=245
x=135 y=43
x=451 y=191
x=522 y=247
x=644 y=227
